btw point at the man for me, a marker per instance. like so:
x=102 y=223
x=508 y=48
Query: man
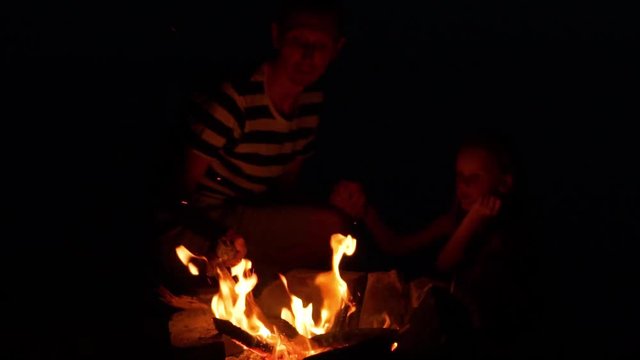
x=251 y=140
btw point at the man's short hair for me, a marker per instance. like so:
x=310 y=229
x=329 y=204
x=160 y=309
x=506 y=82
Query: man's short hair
x=331 y=8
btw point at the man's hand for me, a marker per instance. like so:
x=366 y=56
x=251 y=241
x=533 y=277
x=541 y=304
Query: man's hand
x=349 y=197
x=231 y=248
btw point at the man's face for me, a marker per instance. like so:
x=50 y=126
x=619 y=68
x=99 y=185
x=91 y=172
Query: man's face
x=477 y=175
x=307 y=48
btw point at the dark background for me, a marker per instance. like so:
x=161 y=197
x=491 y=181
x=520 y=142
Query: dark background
x=92 y=138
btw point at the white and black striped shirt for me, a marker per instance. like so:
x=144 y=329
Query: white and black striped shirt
x=247 y=142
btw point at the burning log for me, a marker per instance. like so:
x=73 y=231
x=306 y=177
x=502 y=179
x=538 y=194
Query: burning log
x=351 y=337
x=227 y=328
x=285 y=328
x=356 y=344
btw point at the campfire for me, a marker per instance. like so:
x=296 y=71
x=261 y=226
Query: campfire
x=302 y=331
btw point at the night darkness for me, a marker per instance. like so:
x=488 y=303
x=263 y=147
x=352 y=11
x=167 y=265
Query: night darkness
x=93 y=131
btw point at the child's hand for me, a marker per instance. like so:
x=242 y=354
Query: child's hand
x=454 y=252
x=349 y=197
x=485 y=208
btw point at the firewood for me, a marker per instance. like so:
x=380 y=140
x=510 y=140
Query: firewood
x=227 y=328
x=355 y=336
x=284 y=328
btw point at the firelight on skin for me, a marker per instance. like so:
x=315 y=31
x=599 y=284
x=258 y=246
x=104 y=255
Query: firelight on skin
x=477 y=174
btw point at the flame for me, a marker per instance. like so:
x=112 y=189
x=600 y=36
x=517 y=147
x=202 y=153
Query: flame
x=234 y=302
x=280 y=350
x=301 y=317
x=384 y=321
x=186 y=257
x=334 y=290
x=387 y=320
x=394 y=346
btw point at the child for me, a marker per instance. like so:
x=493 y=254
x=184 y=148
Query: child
x=474 y=243
x=484 y=183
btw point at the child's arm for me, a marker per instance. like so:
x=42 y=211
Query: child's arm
x=398 y=245
x=453 y=253
x=349 y=197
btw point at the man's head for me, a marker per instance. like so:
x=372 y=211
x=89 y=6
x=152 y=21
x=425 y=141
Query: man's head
x=484 y=166
x=308 y=36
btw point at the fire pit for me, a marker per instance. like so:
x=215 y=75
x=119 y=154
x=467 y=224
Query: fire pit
x=297 y=332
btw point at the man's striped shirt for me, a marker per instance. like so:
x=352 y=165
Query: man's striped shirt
x=247 y=142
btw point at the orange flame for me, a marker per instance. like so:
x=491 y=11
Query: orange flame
x=301 y=317
x=234 y=301
x=387 y=320
x=334 y=290
x=280 y=350
x=186 y=257
x=384 y=321
x=231 y=304
x=394 y=346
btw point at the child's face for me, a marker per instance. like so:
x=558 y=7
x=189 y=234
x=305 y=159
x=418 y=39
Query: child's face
x=477 y=175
